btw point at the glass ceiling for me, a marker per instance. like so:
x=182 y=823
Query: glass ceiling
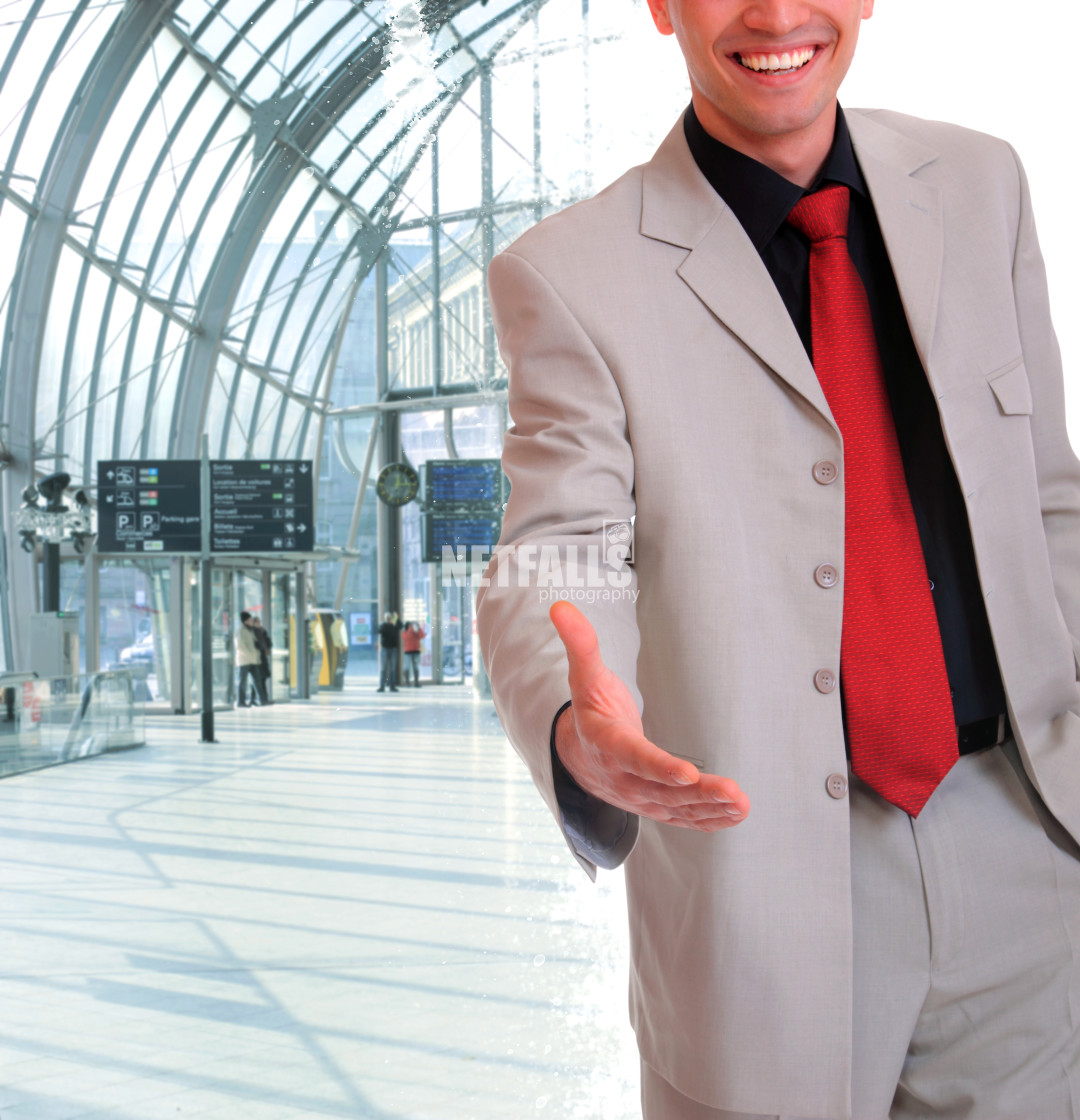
x=215 y=198
x=241 y=218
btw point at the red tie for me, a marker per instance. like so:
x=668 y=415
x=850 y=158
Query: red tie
x=900 y=722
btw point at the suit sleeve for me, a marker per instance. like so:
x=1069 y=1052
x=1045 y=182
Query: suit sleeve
x=571 y=469
x=1055 y=462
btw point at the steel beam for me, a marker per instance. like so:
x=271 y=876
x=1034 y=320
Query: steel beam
x=57 y=192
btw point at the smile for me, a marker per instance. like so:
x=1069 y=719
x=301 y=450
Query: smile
x=785 y=63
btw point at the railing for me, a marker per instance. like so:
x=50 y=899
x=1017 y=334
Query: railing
x=46 y=722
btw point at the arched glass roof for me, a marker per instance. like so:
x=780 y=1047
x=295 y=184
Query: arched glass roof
x=190 y=149
x=248 y=217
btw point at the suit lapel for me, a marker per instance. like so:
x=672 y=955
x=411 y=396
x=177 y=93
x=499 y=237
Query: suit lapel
x=909 y=212
x=729 y=277
x=723 y=268
x=726 y=273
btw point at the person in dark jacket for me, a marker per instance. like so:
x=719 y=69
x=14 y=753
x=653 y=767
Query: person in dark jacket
x=388 y=644
x=264 y=645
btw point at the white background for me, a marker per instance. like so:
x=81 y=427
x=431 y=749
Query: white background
x=986 y=66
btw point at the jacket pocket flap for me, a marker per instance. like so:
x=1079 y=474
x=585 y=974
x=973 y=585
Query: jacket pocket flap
x=1011 y=388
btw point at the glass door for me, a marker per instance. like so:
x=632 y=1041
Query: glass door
x=135 y=626
x=225 y=619
x=280 y=610
x=249 y=594
x=453 y=634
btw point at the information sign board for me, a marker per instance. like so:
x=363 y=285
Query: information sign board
x=148 y=505
x=261 y=505
x=461 y=533
x=457 y=484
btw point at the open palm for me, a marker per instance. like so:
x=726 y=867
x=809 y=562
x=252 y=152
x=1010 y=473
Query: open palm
x=601 y=743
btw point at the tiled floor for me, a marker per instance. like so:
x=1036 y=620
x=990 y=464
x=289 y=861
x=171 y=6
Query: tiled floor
x=356 y=907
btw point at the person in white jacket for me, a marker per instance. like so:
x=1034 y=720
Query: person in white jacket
x=249 y=664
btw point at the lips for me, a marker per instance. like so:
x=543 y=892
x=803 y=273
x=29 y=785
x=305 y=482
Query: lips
x=786 y=63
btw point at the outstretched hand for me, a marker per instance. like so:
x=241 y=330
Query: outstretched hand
x=600 y=741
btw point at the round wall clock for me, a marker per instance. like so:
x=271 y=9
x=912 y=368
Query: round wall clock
x=397 y=484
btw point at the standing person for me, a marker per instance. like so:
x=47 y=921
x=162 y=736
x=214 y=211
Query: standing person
x=389 y=630
x=808 y=355
x=247 y=662
x=411 y=638
x=264 y=644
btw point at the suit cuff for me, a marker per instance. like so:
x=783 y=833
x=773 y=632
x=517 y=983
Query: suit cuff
x=597 y=831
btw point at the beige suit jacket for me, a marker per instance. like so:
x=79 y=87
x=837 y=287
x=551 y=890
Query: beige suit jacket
x=655 y=373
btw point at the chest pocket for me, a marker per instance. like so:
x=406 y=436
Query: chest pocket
x=1010 y=385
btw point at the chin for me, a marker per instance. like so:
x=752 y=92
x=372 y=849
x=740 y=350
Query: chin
x=783 y=121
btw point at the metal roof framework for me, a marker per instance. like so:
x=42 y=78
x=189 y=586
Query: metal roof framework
x=192 y=193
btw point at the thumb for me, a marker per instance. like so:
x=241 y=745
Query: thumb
x=582 y=645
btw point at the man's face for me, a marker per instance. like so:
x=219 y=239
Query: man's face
x=764 y=71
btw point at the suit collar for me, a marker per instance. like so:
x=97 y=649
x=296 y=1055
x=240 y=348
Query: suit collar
x=760 y=197
x=725 y=271
x=678 y=205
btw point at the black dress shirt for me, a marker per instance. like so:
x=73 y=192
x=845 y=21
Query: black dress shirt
x=761 y=200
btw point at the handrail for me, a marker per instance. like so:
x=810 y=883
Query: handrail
x=93 y=686
x=7 y=679
x=53 y=720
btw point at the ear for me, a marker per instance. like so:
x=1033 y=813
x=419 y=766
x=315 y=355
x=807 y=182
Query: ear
x=659 y=9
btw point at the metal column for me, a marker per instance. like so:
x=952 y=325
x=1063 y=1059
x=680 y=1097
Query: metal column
x=92 y=612
x=388 y=521
x=436 y=275
x=303 y=638
x=206 y=578
x=178 y=662
x=268 y=621
x=487 y=201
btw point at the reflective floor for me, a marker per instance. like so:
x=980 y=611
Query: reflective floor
x=357 y=907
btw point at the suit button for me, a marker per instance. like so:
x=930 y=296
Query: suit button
x=836 y=784
x=825 y=680
x=825 y=472
x=825 y=575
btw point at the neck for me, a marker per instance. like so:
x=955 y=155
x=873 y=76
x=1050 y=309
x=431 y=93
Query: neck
x=799 y=155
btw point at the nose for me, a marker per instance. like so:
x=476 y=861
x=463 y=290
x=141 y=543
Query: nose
x=776 y=17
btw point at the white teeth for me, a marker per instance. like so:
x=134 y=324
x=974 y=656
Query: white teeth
x=793 y=60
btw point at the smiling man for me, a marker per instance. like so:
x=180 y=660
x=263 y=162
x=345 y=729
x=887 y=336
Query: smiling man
x=824 y=706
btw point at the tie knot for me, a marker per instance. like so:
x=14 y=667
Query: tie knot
x=823 y=214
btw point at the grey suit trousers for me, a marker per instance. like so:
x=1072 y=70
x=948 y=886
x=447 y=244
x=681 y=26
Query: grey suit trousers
x=967 y=957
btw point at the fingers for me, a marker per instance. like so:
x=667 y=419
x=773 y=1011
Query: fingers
x=708 y=815
x=703 y=816
x=707 y=803
x=708 y=795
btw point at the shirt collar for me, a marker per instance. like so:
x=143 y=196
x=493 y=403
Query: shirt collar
x=758 y=196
